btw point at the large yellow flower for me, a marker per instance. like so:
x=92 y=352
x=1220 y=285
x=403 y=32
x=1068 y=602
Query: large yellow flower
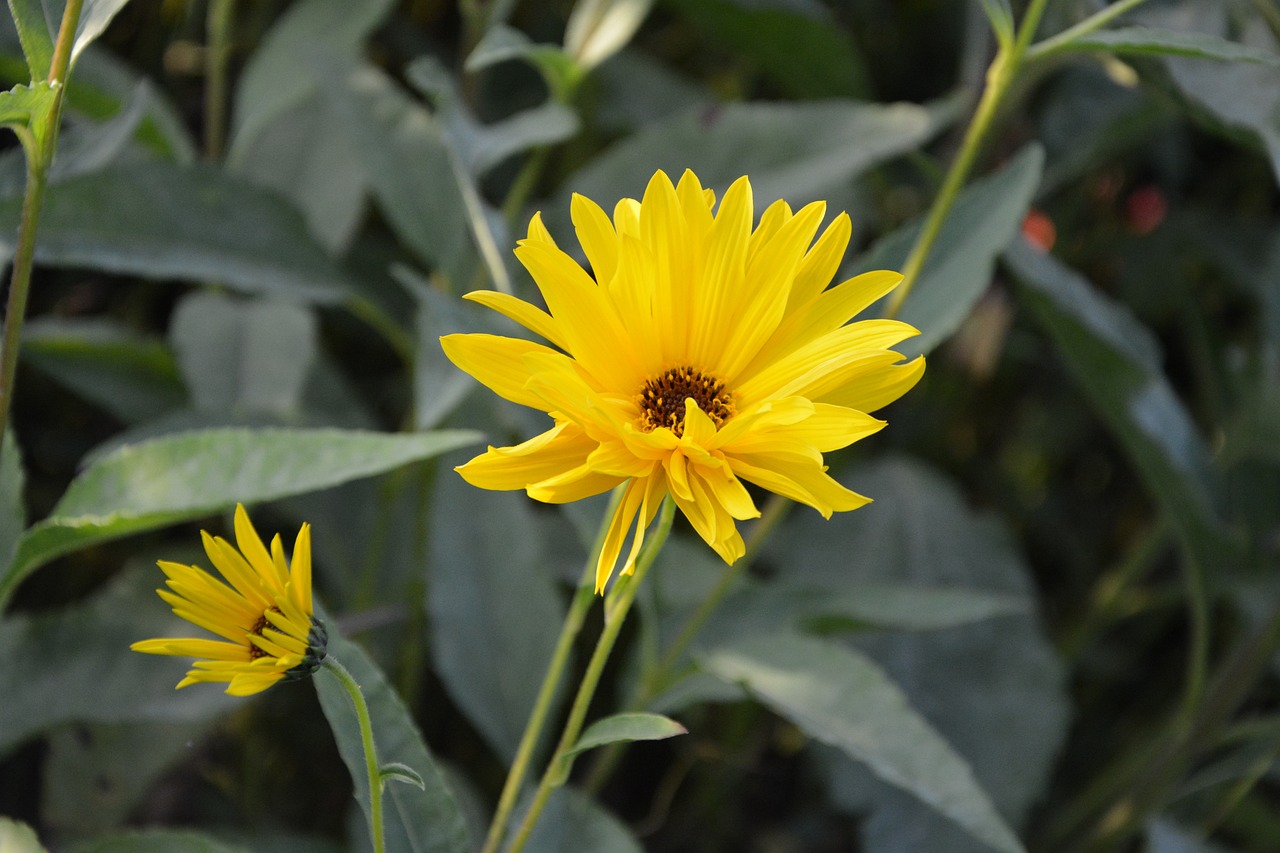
x=704 y=353
x=265 y=615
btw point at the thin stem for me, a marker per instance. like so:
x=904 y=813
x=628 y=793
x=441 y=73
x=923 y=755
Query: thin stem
x=370 y=751
x=1198 y=653
x=583 y=597
x=1000 y=76
x=39 y=157
x=1063 y=40
x=218 y=31
x=617 y=604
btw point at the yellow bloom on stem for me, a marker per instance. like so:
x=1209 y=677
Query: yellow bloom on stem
x=703 y=354
x=265 y=615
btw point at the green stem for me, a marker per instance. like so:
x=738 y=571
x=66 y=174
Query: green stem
x=370 y=751
x=39 y=158
x=578 y=607
x=617 y=604
x=218 y=51
x=1063 y=41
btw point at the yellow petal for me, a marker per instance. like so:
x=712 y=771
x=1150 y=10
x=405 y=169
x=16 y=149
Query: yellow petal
x=717 y=301
x=575 y=484
x=596 y=236
x=530 y=316
x=497 y=362
x=561 y=448
x=877 y=386
x=194 y=648
x=617 y=532
x=807 y=484
x=822 y=261
x=300 y=572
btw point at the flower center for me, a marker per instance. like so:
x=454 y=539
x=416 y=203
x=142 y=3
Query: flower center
x=256 y=631
x=662 y=399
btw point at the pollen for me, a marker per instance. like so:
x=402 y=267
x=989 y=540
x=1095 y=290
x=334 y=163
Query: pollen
x=662 y=399
x=256 y=631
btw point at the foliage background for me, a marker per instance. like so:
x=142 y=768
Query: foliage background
x=1069 y=570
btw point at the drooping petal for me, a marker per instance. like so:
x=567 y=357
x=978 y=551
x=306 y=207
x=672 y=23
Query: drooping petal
x=561 y=448
x=530 y=316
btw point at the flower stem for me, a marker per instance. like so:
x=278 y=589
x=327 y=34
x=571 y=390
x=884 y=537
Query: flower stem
x=218 y=32
x=345 y=678
x=1000 y=77
x=616 y=605
x=583 y=597
x=39 y=157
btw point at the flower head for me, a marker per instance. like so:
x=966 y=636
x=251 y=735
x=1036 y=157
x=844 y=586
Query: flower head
x=265 y=615
x=704 y=353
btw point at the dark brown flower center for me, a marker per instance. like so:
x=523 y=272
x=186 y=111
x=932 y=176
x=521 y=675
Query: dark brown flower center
x=258 y=627
x=662 y=399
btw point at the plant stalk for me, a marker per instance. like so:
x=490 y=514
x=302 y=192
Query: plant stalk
x=583 y=597
x=39 y=158
x=617 y=604
x=217 y=53
x=370 y=751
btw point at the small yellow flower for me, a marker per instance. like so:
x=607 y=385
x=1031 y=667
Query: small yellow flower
x=703 y=354
x=265 y=615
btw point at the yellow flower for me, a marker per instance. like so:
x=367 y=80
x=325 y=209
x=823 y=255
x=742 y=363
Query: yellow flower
x=265 y=615
x=703 y=354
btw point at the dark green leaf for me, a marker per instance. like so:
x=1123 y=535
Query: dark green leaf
x=958 y=269
x=799 y=47
x=410 y=168
x=241 y=355
x=281 y=72
x=132 y=377
x=572 y=821
x=793 y=151
x=843 y=699
x=1154 y=41
x=181 y=477
x=1116 y=361
x=907 y=607
x=159 y=841
x=163 y=221
x=421 y=819
x=95 y=774
x=74 y=664
x=495 y=613
x=625 y=728
x=1000 y=674
x=33 y=32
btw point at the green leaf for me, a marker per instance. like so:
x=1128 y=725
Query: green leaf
x=243 y=355
x=1000 y=674
x=281 y=72
x=158 y=841
x=409 y=166
x=26 y=110
x=840 y=697
x=1155 y=41
x=502 y=43
x=74 y=664
x=985 y=217
x=495 y=612
x=37 y=40
x=482 y=147
x=17 y=837
x=801 y=48
x=793 y=151
x=95 y=774
x=906 y=607
x=438 y=385
x=397 y=772
x=1116 y=361
x=422 y=819
x=572 y=821
x=182 y=477
x=133 y=377
x=623 y=728
x=164 y=221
